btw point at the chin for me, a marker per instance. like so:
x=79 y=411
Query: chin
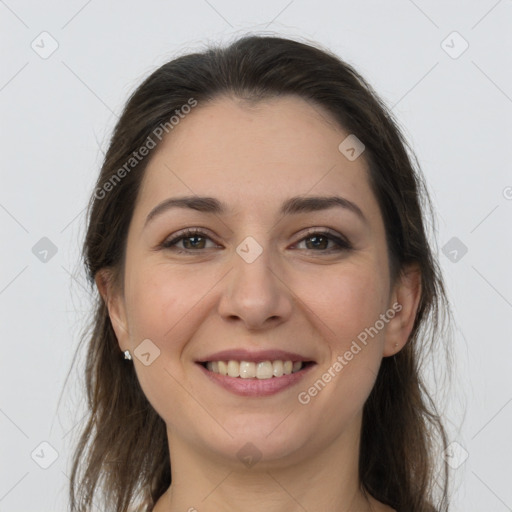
x=270 y=441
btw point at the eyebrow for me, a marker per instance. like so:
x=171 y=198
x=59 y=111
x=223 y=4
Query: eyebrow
x=293 y=205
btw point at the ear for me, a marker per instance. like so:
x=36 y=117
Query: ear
x=405 y=299
x=114 y=301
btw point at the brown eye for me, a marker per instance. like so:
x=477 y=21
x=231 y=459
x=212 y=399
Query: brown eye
x=191 y=240
x=318 y=241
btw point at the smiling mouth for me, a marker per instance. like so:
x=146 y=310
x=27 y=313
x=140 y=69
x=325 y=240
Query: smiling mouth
x=261 y=370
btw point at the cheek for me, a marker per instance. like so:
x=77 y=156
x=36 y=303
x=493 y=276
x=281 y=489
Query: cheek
x=158 y=303
x=346 y=313
x=346 y=301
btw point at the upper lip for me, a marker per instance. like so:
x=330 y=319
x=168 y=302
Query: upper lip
x=261 y=355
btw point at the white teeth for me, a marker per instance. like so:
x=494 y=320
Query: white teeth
x=264 y=370
x=277 y=367
x=250 y=370
x=233 y=369
x=247 y=370
x=223 y=368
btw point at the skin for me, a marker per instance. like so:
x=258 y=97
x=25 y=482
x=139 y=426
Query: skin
x=295 y=296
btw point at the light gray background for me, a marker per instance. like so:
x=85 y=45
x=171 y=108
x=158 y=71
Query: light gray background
x=57 y=113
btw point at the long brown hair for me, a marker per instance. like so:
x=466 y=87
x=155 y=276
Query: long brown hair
x=122 y=454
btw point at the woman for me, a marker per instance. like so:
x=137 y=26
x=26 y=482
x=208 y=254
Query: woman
x=266 y=291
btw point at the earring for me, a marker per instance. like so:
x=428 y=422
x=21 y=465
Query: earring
x=127 y=355
x=396 y=345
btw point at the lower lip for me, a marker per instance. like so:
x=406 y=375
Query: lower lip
x=256 y=387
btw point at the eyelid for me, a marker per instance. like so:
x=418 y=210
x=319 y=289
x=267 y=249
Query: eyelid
x=184 y=233
x=323 y=231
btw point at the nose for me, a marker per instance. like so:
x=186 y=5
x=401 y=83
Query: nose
x=256 y=293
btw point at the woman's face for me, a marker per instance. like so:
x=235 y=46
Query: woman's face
x=270 y=277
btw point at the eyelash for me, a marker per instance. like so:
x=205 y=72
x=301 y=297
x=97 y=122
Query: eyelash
x=342 y=244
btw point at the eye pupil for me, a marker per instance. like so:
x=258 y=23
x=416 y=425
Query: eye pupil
x=195 y=238
x=316 y=241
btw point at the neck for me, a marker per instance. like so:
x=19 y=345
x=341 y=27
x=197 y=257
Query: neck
x=319 y=480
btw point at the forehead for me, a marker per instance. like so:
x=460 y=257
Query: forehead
x=245 y=153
